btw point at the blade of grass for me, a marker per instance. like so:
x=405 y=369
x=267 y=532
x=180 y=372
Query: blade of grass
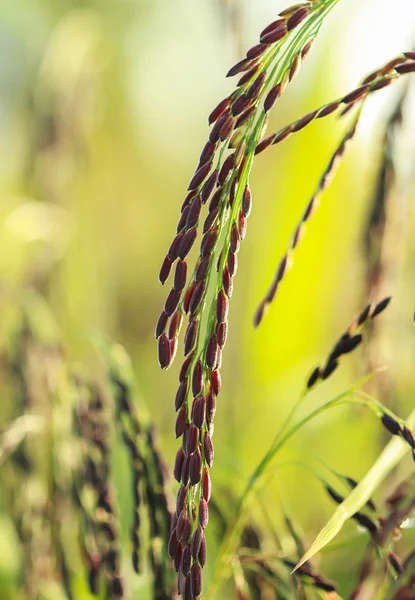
x=390 y=457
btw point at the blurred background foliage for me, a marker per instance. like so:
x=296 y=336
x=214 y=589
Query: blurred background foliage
x=103 y=109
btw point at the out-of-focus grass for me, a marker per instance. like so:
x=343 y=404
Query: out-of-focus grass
x=102 y=114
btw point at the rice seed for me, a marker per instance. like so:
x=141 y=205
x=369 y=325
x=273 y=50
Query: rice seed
x=240 y=104
x=245 y=116
x=207 y=152
x=226 y=129
x=165 y=270
x=161 y=323
x=195 y=470
x=210 y=220
x=329 y=369
x=240 y=66
x=178 y=465
x=186 y=561
x=226 y=169
x=180 y=275
x=199 y=176
x=256 y=51
x=207 y=485
x=203 y=513
x=218 y=111
x=181 y=500
x=199 y=412
x=222 y=307
x=196 y=542
x=173 y=544
x=197 y=379
x=202 y=552
x=185 y=367
x=209 y=241
x=208 y=450
x=196 y=581
x=194 y=212
x=314 y=377
x=164 y=354
x=209 y=186
x=380 y=307
x=232 y=263
x=275 y=35
x=215 y=381
x=235 y=241
x=186 y=243
x=408 y=436
x=197 y=296
x=171 y=302
x=202 y=268
x=391 y=425
x=256 y=87
x=174 y=247
x=178 y=557
x=181 y=422
x=212 y=352
x=297 y=17
x=181 y=395
x=210 y=409
x=190 y=336
x=396 y=563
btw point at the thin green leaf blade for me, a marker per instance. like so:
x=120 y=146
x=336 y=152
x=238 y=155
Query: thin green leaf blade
x=390 y=457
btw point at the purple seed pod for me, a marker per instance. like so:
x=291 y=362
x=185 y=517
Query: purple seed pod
x=207 y=153
x=186 y=243
x=184 y=475
x=235 y=239
x=187 y=531
x=328 y=109
x=174 y=246
x=240 y=104
x=197 y=379
x=178 y=557
x=181 y=500
x=190 y=336
x=180 y=275
x=215 y=381
x=222 y=307
x=226 y=169
x=329 y=369
x=242 y=225
x=196 y=581
x=212 y=353
x=221 y=333
x=210 y=219
x=272 y=97
x=214 y=203
x=301 y=123
x=188 y=200
x=197 y=296
x=192 y=439
x=187 y=589
x=183 y=218
x=173 y=522
x=255 y=89
x=208 y=450
x=242 y=65
x=297 y=17
x=186 y=561
x=391 y=425
x=202 y=268
x=178 y=465
x=202 y=552
x=199 y=176
x=165 y=270
x=210 y=407
x=314 y=377
x=227 y=282
x=365 y=314
x=174 y=343
x=408 y=436
x=247 y=202
x=232 y=263
x=203 y=513
x=245 y=116
x=209 y=241
x=268 y=141
x=214 y=134
x=209 y=186
x=187 y=297
x=161 y=323
x=185 y=367
x=173 y=544
x=256 y=51
x=183 y=517
x=181 y=394
x=196 y=542
x=164 y=351
x=275 y=35
x=218 y=111
x=199 y=412
x=194 y=212
x=207 y=485
x=226 y=129
x=195 y=470
x=356 y=94
x=380 y=307
x=272 y=26
x=172 y=301
x=181 y=422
